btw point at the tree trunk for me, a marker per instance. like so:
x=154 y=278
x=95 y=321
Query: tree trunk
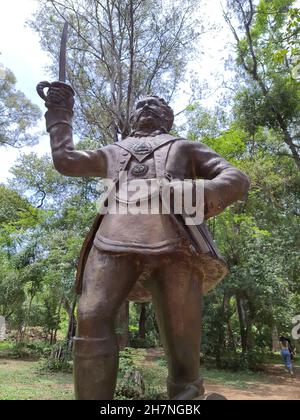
x=242 y=315
x=72 y=325
x=58 y=321
x=231 y=341
x=23 y=332
x=227 y=316
x=122 y=326
x=221 y=333
x=275 y=339
x=142 y=321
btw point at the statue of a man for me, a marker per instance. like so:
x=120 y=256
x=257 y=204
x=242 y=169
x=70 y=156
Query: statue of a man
x=126 y=254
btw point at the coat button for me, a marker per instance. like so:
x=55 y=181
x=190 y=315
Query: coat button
x=140 y=169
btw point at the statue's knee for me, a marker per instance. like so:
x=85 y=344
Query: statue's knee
x=95 y=320
x=94 y=310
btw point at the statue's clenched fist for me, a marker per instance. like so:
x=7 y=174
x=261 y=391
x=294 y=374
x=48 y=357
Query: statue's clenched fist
x=59 y=100
x=59 y=95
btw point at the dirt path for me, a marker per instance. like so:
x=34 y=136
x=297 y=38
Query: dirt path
x=279 y=386
x=275 y=384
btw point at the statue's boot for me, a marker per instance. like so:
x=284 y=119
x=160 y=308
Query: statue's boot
x=95 y=368
x=185 y=390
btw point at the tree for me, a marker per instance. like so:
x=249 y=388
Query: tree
x=18 y=268
x=66 y=208
x=259 y=239
x=17 y=113
x=118 y=51
x=270 y=97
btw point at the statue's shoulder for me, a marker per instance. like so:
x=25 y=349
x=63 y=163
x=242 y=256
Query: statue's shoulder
x=108 y=149
x=190 y=145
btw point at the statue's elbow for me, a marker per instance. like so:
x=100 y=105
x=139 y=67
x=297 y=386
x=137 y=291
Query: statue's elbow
x=62 y=163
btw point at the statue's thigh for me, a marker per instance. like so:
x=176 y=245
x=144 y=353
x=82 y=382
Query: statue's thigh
x=107 y=281
x=177 y=298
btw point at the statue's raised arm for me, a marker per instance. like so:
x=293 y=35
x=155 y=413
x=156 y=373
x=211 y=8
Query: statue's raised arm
x=60 y=101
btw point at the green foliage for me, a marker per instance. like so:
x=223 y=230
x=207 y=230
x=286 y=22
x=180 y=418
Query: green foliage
x=152 y=374
x=45 y=216
x=58 y=359
x=51 y=364
x=150 y=338
x=130 y=384
x=267 y=42
x=231 y=144
x=260 y=236
x=17 y=114
x=26 y=349
x=118 y=52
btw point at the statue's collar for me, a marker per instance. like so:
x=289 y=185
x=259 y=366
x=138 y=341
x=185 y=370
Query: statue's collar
x=142 y=147
x=153 y=134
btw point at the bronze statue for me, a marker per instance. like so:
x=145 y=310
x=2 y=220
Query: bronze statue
x=136 y=256
x=142 y=256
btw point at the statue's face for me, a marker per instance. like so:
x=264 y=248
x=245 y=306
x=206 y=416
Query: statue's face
x=149 y=114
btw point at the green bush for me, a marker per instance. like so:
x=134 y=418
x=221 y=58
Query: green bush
x=31 y=349
x=56 y=365
x=130 y=380
x=59 y=359
x=235 y=361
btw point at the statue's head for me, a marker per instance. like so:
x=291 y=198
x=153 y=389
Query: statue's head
x=152 y=113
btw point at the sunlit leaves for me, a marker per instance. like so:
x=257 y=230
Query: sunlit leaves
x=17 y=114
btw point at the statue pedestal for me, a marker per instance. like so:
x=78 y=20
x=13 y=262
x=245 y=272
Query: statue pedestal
x=211 y=396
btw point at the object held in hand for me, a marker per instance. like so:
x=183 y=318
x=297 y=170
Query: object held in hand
x=59 y=93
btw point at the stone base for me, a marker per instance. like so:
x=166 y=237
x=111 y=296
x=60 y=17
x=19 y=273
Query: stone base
x=211 y=396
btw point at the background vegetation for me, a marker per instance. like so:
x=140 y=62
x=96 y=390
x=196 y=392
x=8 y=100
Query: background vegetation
x=119 y=50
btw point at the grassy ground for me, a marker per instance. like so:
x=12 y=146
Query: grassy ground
x=4 y=345
x=23 y=379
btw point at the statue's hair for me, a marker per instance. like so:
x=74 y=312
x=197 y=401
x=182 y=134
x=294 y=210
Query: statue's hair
x=169 y=114
x=161 y=100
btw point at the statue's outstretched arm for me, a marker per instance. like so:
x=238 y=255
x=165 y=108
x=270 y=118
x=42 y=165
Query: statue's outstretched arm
x=67 y=160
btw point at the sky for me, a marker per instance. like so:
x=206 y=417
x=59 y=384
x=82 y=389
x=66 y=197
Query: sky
x=20 y=52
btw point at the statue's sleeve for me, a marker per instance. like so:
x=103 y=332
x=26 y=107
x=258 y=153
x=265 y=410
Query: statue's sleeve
x=67 y=160
x=223 y=183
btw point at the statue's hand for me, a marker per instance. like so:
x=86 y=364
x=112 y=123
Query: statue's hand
x=59 y=95
x=213 y=203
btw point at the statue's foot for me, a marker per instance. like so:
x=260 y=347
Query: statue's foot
x=185 y=391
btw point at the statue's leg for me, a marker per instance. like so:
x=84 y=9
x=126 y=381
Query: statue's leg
x=177 y=298
x=107 y=281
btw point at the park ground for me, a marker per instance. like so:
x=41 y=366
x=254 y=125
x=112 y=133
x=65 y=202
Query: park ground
x=22 y=379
